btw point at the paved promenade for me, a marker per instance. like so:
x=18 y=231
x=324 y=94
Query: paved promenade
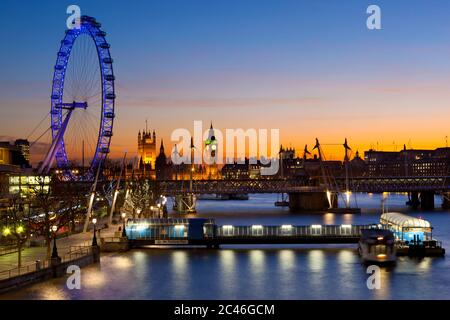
x=30 y=255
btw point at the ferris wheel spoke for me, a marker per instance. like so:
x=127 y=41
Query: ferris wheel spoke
x=97 y=96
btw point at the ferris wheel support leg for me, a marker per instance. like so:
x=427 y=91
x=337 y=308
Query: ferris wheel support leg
x=88 y=213
x=50 y=156
x=91 y=199
x=116 y=192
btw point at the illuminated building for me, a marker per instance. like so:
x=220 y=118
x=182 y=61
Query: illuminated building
x=236 y=171
x=26 y=184
x=211 y=146
x=147 y=149
x=162 y=167
x=14 y=155
x=24 y=146
x=408 y=162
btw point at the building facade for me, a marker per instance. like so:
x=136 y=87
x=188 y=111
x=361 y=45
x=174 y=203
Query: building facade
x=211 y=150
x=147 y=148
x=408 y=162
x=17 y=154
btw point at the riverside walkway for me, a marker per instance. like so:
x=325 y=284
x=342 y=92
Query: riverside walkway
x=65 y=245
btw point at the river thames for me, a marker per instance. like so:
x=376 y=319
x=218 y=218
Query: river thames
x=261 y=272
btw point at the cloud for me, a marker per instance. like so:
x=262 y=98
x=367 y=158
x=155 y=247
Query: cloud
x=411 y=89
x=7 y=138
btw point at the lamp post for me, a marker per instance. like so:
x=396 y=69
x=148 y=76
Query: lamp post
x=159 y=210
x=55 y=250
x=94 y=239
x=124 y=234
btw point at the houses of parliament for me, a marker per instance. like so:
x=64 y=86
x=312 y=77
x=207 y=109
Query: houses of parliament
x=159 y=166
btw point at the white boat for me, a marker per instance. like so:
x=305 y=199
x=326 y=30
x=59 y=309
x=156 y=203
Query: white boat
x=377 y=246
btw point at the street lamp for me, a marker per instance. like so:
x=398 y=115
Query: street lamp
x=124 y=234
x=94 y=239
x=55 y=250
x=6 y=231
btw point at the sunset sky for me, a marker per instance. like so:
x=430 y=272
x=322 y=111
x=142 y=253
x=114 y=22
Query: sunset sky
x=310 y=68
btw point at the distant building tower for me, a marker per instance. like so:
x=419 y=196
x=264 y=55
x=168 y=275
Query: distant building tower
x=288 y=153
x=24 y=146
x=147 y=148
x=162 y=168
x=211 y=150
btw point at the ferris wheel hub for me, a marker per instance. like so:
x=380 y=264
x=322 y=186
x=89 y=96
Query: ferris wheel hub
x=72 y=105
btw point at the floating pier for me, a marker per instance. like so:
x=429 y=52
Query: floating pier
x=204 y=232
x=413 y=236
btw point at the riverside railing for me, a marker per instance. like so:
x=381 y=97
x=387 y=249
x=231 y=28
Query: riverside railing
x=8 y=249
x=74 y=253
x=24 y=269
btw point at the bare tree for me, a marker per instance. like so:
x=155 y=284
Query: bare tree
x=53 y=205
x=141 y=196
x=72 y=201
x=16 y=225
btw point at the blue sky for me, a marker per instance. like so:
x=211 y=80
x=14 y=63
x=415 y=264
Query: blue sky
x=311 y=68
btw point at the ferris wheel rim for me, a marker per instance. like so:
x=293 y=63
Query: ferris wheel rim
x=88 y=26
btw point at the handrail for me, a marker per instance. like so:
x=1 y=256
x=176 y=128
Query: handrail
x=27 y=268
x=8 y=249
x=45 y=264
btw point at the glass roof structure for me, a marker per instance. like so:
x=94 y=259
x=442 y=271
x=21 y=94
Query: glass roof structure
x=404 y=221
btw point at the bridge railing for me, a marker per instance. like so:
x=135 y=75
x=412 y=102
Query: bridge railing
x=174 y=187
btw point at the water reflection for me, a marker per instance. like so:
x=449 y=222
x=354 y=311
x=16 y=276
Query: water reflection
x=346 y=258
x=228 y=276
x=347 y=218
x=329 y=218
x=424 y=264
x=257 y=267
x=50 y=293
x=384 y=291
x=287 y=271
x=286 y=260
x=179 y=273
x=94 y=279
x=316 y=260
x=316 y=275
x=123 y=263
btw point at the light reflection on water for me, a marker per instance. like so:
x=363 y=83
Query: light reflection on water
x=329 y=218
x=228 y=272
x=252 y=272
x=179 y=272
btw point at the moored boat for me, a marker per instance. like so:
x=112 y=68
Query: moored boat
x=377 y=246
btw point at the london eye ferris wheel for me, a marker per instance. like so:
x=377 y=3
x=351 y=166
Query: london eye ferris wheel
x=82 y=100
